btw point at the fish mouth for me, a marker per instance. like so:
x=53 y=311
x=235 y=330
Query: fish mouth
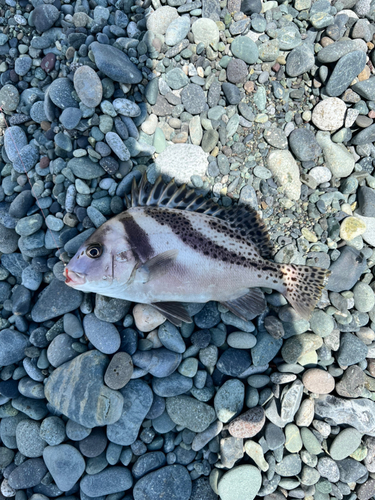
x=73 y=278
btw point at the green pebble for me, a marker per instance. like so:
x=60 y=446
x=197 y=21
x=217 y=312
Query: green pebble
x=310 y=442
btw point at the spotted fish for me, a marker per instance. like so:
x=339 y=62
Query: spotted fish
x=171 y=246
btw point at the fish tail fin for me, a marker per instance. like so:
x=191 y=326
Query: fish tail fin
x=303 y=286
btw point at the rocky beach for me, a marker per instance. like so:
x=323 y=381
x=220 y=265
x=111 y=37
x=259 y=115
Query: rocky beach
x=267 y=104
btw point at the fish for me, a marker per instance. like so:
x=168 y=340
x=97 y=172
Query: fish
x=172 y=247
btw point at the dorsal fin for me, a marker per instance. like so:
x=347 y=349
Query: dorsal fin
x=242 y=218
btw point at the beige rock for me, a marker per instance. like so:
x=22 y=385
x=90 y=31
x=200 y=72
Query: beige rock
x=147 y=318
x=305 y=414
x=286 y=172
x=149 y=125
x=255 y=451
x=318 y=381
x=329 y=114
x=351 y=227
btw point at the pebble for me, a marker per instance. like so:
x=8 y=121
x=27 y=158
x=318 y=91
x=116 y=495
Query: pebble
x=229 y=400
x=115 y=64
x=243 y=482
x=303 y=144
x=347 y=68
x=65 y=464
x=113 y=479
x=138 y=397
x=190 y=413
x=286 y=172
x=248 y=424
x=172 y=481
x=351 y=351
x=88 y=86
x=119 y=371
x=205 y=31
x=182 y=161
x=318 y=381
x=329 y=114
x=104 y=336
x=86 y=400
x=345 y=443
x=28 y=474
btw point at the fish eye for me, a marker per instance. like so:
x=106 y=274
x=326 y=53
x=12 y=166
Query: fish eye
x=94 y=250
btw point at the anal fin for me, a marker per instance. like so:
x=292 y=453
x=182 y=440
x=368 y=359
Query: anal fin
x=175 y=312
x=249 y=306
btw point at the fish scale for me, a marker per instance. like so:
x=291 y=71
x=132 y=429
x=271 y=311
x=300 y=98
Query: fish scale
x=171 y=246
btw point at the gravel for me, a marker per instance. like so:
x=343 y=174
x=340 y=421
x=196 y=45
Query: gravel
x=266 y=104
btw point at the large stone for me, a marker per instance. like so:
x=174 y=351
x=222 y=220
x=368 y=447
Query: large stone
x=172 y=482
x=65 y=464
x=329 y=114
x=138 y=399
x=115 y=64
x=240 y=483
x=205 y=31
x=299 y=61
x=109 y=481
x=338 y=159
x=181 y=161
x=358 y=413
x=286 y=172
x=12 y=346
x=190 y=413
x=55 y=300
x=347 y=68
x=88 y=86
x=76 y=389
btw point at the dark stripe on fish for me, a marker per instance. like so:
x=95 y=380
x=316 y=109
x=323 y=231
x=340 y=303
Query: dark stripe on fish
x=137 y=237
x=182 y=227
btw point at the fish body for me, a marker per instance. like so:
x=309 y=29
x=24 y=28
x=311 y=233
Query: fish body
x=171 y=247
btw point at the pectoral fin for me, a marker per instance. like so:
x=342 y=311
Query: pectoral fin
x=157 y=266
x=249 y=306
x=175 y=312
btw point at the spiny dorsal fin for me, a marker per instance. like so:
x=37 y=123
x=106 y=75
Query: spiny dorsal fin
x=242 y=218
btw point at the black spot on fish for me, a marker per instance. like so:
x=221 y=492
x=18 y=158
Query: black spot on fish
x=138 y=239
x=182 y=227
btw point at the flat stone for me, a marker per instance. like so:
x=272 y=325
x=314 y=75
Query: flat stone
x=12 y=346
x=126 y=107
x=104 y=336
x=84 y=399
x=243 y=482
x=190 y=413
x=172 y=482
x=84 y=168
x=9 y=97
x=346 y=69
x=88 y=86
x=345 y=443
x=138 y=397
x=109 y=481
x=303 y=144
x=177 y=30
x=159 y=362
x=346 y=270
x=14 y=140
x=55 y=300
x=29 y=442
x=115 y=64
x=27 y=475
x=117 y=145
x=65 y=464
x=245 y=49
x=334 y=51
x=338 y=159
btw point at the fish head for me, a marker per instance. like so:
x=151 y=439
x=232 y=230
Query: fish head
x=104 y=261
